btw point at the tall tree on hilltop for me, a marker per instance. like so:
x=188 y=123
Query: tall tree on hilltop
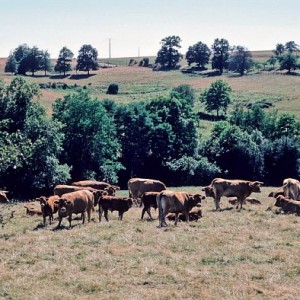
x=64 y=60
x=46 y=65
x=168 y=56
x=220 y=50
x=87 y=59
x=240 y=60
x=279 y=49
x=199 y=54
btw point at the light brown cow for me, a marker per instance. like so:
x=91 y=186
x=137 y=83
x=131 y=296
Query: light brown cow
x=233 y=188
x=288 y=205
x=33 y=208
x=277 y=192
x=291 y=188
x=75 y=203
x=48 y=207
x=3 y=197
x=61 y=189
x=99 y=185
x=175 y=202
x=138 y=186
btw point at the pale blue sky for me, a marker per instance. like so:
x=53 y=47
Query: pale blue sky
x=137 y=27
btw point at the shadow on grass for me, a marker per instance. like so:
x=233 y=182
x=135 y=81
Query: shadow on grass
x=59 y=76
x=81 y=76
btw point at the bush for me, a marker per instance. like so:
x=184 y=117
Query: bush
x=113 y=89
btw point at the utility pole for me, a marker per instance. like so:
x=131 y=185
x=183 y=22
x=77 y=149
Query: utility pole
x=109 y=49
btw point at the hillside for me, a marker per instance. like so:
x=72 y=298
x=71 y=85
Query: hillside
x=141 y=84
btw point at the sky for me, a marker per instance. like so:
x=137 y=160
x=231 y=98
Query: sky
x=136 y=27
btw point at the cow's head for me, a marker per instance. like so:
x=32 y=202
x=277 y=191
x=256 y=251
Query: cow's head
x=64 y=206
x=98 y=195
x=208 y=191
x=279 y=201
x=43 y=202
x=255 y=186
x=110 y=191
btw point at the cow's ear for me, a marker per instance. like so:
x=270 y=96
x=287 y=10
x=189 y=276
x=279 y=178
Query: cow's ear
x=258 y=183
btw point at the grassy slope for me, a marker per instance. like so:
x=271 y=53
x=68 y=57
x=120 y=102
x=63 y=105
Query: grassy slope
x=254 y=254
x=140 y=84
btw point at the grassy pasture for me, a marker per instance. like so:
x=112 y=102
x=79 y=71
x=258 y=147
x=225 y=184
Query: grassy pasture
x=252 y=254
x=142 y=84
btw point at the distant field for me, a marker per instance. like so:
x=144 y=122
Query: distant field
x=141 y=84
x=252 y=254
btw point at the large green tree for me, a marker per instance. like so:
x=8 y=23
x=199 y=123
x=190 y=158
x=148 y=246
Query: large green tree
x=87 y=59
x=64 y=60
x=240 y=60
x=11 y=65
x=220 y=50
x=168 y=56
x=288 y=61
x=91 y=146
x=198 y=54
x=217 y=97
x=30 y=143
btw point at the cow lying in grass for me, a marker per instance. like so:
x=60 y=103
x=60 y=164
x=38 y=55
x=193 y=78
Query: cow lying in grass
x=194 y=214
x=289 y=206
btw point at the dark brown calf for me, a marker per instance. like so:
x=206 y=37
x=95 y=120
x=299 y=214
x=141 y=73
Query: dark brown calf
x=48 y=207
x=288 y=206
x=148 y=200
x=120 y=204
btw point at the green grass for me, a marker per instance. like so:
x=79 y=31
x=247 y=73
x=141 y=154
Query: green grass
x=252 y=254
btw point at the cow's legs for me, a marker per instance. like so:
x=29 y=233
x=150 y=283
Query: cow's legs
x=217 y=202
x=143 y=212
x=105 y=214
x=120 y=215
x=59 y=222
x=70 y=220
x=89 y=215
x=149 y=213
x=187 y=216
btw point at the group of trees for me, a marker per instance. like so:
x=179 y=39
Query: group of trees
x=88 y=138
x=25 y=59
x=232 y=58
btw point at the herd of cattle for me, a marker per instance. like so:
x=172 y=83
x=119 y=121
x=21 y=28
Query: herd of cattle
x=83 y=196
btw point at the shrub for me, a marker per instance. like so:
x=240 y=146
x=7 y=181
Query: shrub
x=113 y=89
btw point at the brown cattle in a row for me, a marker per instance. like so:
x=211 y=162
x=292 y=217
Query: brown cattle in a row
x=138 y=186
x=148 y=200
x=49 y=207
x=75 y=203
x=113 y=203
x=291 y=188
x=99 y=185
x=175 y=202
x=61 y=189
x=288 y=205
x=232 y=188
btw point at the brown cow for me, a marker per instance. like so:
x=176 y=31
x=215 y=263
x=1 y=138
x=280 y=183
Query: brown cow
x=120 y=204
x=99 y=185
x=3 y=197
x=194 y=214
x=234 y=201
x=288 y=205
x=176 y=202
x=233 y=188
x=75 y=203
x=138 y=186
x=291 y=188
x=148 y=200
x=33 y=208
x=48 y=207
x=61 y=189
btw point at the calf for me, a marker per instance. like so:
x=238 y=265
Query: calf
x=148 y=200
x=48 y=207
x=234 y=201
x=288 y=205
x=75 y=203
x=120 y=204
x=175 y=202
x=194 y=215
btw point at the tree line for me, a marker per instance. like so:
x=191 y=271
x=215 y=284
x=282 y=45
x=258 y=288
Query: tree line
x=88 y=138
x=221 y=55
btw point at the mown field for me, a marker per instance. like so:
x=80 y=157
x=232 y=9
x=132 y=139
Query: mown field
x=252 y=254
